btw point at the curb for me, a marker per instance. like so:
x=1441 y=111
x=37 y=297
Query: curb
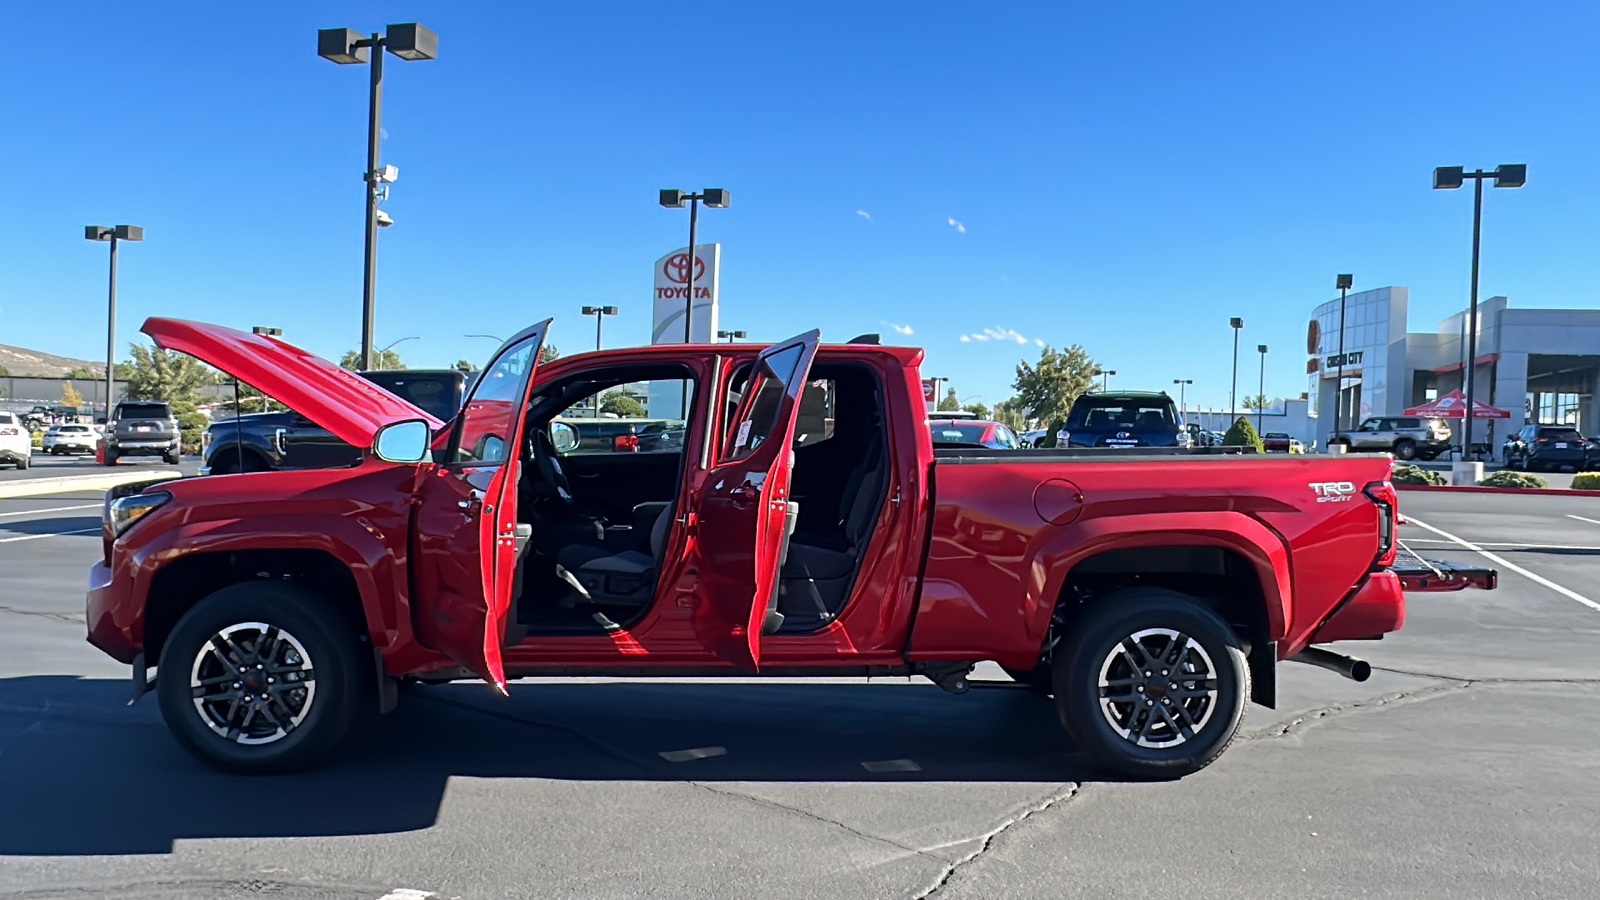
x=33 y=487
x=1480 y=489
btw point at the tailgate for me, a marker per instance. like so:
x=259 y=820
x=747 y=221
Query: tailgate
x=1418 y=573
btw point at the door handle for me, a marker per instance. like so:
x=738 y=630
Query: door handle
x=747 y=493
x=473 y=501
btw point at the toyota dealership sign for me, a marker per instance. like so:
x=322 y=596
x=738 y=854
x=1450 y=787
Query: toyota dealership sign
x=672 y=290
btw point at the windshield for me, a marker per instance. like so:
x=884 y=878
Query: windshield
x=1122 y=414
x=433 y=394
x=959 y=433
x=1276 y=435
x=1559 y=434
x=142 y=411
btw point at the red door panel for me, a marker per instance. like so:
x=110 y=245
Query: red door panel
x=742 y=504
x=464 y=545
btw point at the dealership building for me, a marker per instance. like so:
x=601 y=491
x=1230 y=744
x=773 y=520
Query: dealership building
x=1539 y=365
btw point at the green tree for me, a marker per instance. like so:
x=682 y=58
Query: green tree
x=387 y=359
x=1255 y=401
x=465 y=366
x=4 y=373
x=1011 y=414
x=1048 y=387
x=618 y=403
x=977 y=409
x=83 y=373
x=1243 y=434
x=70 y=396
x=548 y=352
x=191 y=424
x=948 y=401
x=158 y=374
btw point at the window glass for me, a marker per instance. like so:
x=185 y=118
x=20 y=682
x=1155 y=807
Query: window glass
x=959 y=432
x=760 y=416
x=637 y=417
x=490 y=414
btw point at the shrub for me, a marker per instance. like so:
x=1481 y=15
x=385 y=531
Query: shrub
x=1586 y=481
x=1509 y=479
x=191 y=424
x=1415 y=475
x=1243 y=434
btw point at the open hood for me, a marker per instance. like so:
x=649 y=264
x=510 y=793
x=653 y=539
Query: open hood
x=349 y=406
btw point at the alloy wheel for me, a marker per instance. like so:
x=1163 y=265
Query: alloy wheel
x=253 y=683
x=1158 y=688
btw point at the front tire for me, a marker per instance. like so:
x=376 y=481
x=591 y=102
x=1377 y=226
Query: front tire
x=261 y=640
x=1151 y=684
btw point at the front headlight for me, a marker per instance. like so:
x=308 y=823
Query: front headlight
x=123 y=512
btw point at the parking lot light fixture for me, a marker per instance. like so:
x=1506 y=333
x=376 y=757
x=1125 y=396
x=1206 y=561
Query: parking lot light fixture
x=1344 y=283
x=732 y=335
x=1233 y=391
x=1261 y=390
x=715 y=198
x=599 y=313
x=114 y=234
x=1448 y=178
x=1182 y=384
x=409 y=41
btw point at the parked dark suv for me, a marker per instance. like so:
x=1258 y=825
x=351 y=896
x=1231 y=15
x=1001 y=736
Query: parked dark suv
x=1121 y=419
x=1552 y=447
x=142 y=428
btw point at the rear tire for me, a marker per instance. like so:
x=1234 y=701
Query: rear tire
x=1405 y=450
x=24 y=462
x=1199 y=711
x=268 y=630
x=172 y=458
x=110 y=457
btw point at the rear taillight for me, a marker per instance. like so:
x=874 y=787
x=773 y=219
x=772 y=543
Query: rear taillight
x=9 y=431
x=1383 y=494
x=625 y=443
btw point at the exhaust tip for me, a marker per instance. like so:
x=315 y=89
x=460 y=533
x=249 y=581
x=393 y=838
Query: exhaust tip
x=1360 y=670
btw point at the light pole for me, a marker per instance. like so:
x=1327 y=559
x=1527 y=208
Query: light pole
x=112 y=234
x=715 y=198
x=1105 y=378
x=263 y=331
x=1183 y=384
x=489 y=336
x=409 y=41
x=732 y=335
x=1233 y=391
x=380 y=353
x=938 y=389
x=1344 y=283
x=1448 y=178
x=599 y=313
x=1261 y=391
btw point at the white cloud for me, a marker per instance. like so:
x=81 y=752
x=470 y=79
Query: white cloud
x=864 y=214
x=900 y=329
x=1000 y=334
x=956 y=225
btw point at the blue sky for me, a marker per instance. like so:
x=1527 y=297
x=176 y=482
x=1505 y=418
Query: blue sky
x=1128 y=176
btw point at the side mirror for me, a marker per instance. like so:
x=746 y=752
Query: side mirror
x=564 y=437
x=402 y=442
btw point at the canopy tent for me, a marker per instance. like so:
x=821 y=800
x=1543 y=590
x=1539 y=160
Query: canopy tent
x=1453 y=406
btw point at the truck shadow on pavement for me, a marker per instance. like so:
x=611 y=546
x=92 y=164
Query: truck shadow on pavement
x=82 y=773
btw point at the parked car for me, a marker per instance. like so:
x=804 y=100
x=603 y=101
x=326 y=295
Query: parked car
x=1407 y=437
x=973 y=433
x=59 y=439
x=1281 y=442
x=1121 y=419
x=1032 y=437
x=16 y=441
x=278 y=607
x=1546 y=448
x=141 y=428
x=263 y=442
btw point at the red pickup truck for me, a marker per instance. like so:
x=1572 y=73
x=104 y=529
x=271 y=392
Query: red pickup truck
x=803 y=524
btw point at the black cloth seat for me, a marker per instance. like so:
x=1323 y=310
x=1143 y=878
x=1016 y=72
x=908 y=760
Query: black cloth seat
x=816 y=577
x=625 y=577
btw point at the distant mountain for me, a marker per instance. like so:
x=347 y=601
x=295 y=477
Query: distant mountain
x=22 y=361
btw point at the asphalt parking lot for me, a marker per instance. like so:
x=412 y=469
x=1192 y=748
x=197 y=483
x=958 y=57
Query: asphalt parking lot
x=1467 y=767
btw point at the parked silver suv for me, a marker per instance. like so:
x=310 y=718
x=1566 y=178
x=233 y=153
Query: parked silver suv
x=1407 y=437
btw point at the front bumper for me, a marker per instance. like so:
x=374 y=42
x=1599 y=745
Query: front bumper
x=110 y=629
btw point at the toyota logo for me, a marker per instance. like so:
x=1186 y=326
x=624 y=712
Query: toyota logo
x=1122 y=434
x=676 y=268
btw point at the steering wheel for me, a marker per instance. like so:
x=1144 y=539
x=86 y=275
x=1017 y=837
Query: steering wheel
x=552 y=479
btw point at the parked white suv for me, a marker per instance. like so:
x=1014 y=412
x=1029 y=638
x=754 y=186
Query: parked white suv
x=16 y=442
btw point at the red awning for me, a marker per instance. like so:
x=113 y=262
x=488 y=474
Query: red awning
x=1453 y=406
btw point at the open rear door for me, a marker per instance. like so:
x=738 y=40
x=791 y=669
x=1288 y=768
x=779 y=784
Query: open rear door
x=465 y=536
x=743 y=504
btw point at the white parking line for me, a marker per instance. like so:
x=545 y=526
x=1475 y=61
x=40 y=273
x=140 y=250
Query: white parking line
x=1582 y=519
x=33 y=512
x=35 y=537
x=408 y=894
x=1509 y=545
x=1502 y=561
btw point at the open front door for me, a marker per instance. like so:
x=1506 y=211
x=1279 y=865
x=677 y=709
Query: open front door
x=464 y=552
x=743 y=504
